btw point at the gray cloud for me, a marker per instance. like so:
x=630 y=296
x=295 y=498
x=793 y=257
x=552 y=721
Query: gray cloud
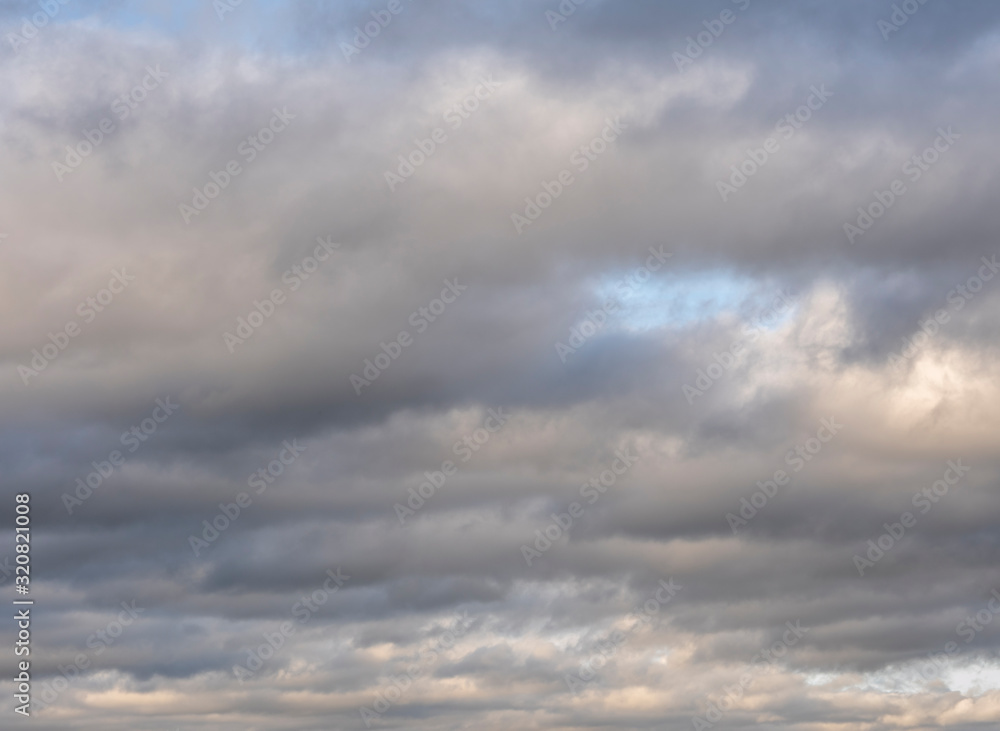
x=80 y=376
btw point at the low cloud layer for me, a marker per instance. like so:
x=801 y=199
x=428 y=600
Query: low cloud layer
x=593 y=365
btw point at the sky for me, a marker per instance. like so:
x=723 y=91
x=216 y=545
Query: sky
x=414 y=364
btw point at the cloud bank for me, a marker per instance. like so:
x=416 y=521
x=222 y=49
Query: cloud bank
x=581 y=365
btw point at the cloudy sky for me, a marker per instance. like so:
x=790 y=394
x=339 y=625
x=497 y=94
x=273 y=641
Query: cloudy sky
x=417 y=364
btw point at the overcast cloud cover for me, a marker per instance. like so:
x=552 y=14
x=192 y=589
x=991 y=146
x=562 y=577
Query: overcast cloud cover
x=637 y=330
